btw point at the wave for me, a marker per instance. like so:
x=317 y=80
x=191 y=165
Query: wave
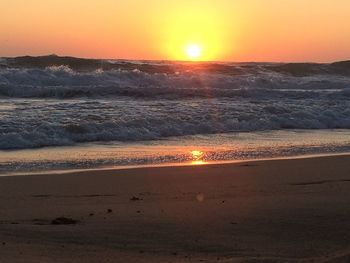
x=172 y=67
x=81 y=64
x=33 y=124
x=64 y=82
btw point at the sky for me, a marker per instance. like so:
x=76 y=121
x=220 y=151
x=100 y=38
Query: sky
x=222 y=30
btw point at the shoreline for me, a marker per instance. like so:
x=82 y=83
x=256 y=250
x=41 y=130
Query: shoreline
x=294 y=210
x=188 y=164
x=175 y=151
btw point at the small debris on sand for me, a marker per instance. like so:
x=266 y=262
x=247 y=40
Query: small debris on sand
x=64 y=221
x=109 y=211
x=134 y=198
x=91 y=214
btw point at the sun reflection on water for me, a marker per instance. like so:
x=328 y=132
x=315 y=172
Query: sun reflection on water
x=197 y=157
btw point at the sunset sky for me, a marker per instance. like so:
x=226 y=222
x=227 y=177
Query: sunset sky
x=225 y=30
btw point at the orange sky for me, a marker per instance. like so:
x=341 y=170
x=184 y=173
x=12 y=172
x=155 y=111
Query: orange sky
x=228 y=30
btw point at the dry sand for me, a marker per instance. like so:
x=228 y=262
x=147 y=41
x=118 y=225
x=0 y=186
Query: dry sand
x=264 y=211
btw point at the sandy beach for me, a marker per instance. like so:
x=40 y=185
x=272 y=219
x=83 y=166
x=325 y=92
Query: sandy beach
x=263 y=211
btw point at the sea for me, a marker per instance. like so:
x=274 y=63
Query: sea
x=65 y=113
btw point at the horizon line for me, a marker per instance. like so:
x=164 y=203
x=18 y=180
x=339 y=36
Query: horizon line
x=170 y=60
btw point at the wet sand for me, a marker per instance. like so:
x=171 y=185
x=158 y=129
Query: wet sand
x=264 y=211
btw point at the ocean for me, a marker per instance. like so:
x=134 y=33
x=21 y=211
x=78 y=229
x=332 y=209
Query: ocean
x=59 y=113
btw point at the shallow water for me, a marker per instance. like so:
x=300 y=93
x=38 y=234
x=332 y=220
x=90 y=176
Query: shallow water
x=196 y=149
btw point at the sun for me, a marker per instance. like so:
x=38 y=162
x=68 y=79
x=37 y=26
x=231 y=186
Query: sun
x=193 y=51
